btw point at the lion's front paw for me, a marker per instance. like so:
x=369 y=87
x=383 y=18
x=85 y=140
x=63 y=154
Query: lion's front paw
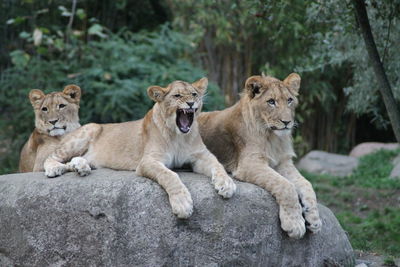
x=224 y=185
x=55 y=169
x=292 y=221
x=313 y=221
x=79 y=165
x=182 y=204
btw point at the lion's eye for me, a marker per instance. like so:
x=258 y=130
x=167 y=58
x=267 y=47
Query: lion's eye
x=177 y=95
x=44 y=109
x=194 y=94
x=290 y=100
x=61 y=106
x=271 y=102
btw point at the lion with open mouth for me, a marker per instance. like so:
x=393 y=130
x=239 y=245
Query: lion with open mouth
x=167 y=137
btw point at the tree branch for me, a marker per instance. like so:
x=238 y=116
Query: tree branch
x=384 y=85
x=71 y=18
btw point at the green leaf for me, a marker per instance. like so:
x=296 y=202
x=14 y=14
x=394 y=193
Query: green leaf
x=19 y=58
x=81 y=13
x=24 y=35
x=64 y=12
x=42 y=50
x=96 y=29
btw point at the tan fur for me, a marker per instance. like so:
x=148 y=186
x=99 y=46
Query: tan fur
x=251 y=141
x=151 y=146
x=46 y=136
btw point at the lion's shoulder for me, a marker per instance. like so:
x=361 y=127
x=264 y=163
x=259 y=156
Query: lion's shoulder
x=38 y=146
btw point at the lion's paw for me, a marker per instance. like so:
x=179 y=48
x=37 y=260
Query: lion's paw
x=313 y=221
x=292 y=221
x=80 y=165
x=225 y=186
x=182 y=204
x=55 y=169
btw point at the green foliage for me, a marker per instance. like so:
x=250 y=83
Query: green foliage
x=374 y=170
x=365 y=202
x=378 y=231
x=237 y=39
x=113 y=72
x=389 y=261
x=340 y=44
x=263 y=30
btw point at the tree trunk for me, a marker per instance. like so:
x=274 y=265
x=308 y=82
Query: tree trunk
x=384 y=86
x=226 y=65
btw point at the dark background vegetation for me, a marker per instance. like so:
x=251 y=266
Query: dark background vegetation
x=114 y=50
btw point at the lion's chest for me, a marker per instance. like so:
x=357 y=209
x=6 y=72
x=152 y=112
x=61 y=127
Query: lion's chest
x=272 y=154
x=276 y=149
x=178 y=153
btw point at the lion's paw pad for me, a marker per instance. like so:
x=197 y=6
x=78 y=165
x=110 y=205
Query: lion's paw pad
x=80 y=165
x=182 y=204
x=293 y=223
x=313 y=222
x=55 y=171
x=225 y=187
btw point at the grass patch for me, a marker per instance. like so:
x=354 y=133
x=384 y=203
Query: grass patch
x=374 y=170
x=379 y=231
x=366 y=203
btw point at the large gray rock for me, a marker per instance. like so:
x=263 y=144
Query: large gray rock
x=114 y=218
x=395 y=173
x=370 y=147
x=321 y=162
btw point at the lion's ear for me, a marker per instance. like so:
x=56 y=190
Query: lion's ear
x=157 y=93
x=36 y=96
x=201 y=85
x=73 y=93
x=293 y=82
x=253 y=85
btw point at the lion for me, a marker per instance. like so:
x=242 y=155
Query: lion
x=56 y=114
x=252 y=139
x=167 y=137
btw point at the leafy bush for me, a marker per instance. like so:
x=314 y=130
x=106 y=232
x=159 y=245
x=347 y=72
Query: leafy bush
x=342 y=45
x=113 y=72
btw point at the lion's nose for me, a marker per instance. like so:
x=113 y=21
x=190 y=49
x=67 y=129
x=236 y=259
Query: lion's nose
x=285 y=122
x=190 y=104
x=53 y=122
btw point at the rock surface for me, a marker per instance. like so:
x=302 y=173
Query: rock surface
x=114 y=218
x=370 y=147
x=321 y=162
x=372 y=259
x=395 y=173
x=396 y=160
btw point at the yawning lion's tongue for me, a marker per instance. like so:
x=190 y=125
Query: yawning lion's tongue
x=184 y=122
x=184 y=119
